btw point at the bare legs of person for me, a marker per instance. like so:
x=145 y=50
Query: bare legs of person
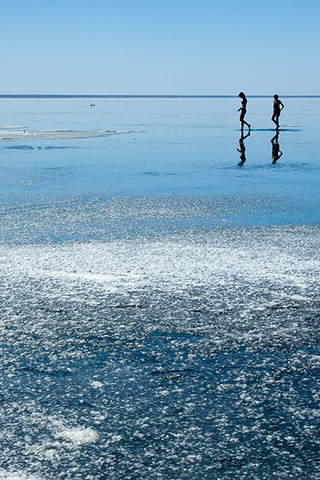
x=243 y=122
x=275 y=119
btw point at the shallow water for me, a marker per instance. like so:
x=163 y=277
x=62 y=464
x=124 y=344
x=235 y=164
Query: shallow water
x=159 y=303
x=178 y=147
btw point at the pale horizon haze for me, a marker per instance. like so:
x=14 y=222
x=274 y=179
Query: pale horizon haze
x=168 y=47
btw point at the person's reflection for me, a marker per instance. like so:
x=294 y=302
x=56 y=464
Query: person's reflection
x=242 y=148
x=276 y=152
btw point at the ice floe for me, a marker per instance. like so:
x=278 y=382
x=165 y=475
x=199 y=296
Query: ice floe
x=11 y=134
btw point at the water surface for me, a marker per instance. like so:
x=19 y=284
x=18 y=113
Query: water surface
x=159 y=303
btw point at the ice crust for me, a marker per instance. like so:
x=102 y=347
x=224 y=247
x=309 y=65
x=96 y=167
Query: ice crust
x=15 y=476
x=12 y=134
x=174 y=356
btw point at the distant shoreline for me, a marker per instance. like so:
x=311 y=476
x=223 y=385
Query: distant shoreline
x=57 y=96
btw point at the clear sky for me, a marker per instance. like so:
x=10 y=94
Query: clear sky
x=160 y=46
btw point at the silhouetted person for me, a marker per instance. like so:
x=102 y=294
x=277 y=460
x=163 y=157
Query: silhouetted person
x=276 y=152
x=242 y=148
x=277 y=107
x=243 y=110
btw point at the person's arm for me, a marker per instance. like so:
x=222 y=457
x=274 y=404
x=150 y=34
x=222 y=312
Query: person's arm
x=281 y=105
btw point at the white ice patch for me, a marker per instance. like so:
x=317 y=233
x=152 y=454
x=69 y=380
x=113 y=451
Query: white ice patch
x=171 y=264
x=9 y=134
x=96 y=384
x=12 y=127
x=5 y=475
x=232 y=287
x=79 y=435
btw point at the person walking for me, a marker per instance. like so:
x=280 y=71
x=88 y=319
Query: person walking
x=277 y=108
x=243 y=111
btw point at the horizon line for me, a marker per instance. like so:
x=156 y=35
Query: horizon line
x=58 y=95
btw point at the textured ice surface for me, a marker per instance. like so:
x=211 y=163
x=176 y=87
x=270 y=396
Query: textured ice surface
x=182 y=356
x=15 y=476
x=87 y=218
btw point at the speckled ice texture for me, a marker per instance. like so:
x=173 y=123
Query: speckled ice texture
x=175 y=356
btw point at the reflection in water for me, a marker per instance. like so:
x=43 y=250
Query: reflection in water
x=276 y=152
x=242 y=148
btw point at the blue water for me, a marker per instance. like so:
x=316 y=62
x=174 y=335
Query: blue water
x=180 y=147
x=159 y=303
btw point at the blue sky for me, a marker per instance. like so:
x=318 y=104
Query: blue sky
x=160 y=47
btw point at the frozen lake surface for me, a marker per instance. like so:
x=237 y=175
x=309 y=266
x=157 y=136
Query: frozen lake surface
x=159 y=303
